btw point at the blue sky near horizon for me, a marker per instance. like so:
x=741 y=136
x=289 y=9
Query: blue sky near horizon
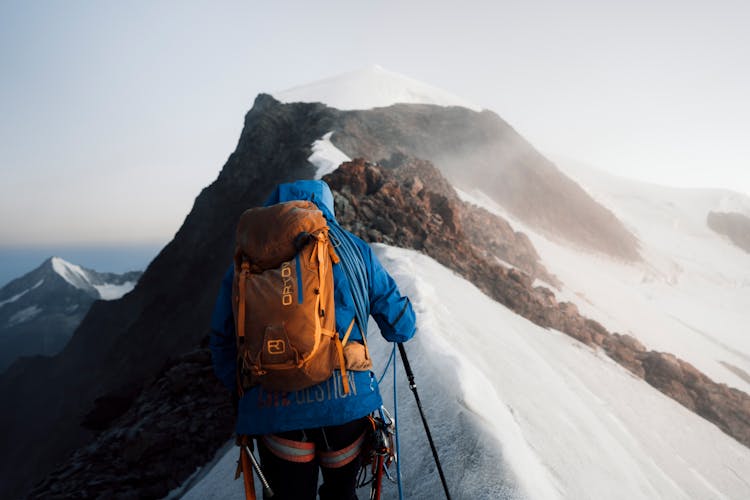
x=116 y=115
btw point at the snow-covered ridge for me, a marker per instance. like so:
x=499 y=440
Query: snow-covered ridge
x=71 y=273
x=371 y=87
x=83 y=280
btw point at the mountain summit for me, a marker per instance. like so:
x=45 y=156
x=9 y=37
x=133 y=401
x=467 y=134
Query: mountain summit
x=371 y=87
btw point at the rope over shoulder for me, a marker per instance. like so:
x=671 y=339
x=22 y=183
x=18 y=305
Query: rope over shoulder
x=352 y=263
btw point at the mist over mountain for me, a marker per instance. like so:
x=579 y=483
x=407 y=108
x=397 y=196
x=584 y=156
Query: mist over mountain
x=474 y=148
x=40 y=310
x=143 y=413
x=480 y=150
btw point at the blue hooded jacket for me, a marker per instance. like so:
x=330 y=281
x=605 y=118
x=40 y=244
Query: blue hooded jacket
x=265 y=412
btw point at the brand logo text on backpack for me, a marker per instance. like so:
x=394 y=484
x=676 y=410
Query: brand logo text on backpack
x=276 y=346
x=286 y=283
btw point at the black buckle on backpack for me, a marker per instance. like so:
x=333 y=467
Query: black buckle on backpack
x=301 y=240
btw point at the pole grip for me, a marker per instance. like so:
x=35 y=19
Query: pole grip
x=407 y=366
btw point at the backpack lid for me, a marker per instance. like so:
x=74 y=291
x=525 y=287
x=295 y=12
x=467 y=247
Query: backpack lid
x=268 y=236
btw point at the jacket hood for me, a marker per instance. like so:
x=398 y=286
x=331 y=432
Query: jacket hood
x=312 y=190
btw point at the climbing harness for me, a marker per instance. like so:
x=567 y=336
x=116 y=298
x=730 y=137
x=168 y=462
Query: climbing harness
x=379 y=454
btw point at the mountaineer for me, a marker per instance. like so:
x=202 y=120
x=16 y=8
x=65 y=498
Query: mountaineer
x=270 y=317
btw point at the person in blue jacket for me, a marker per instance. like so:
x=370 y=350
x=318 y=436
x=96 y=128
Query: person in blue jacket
x=321 y=426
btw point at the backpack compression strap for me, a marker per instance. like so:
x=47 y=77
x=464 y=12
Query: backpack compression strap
x=244 y=272
x=325 y=250
x=342 y=361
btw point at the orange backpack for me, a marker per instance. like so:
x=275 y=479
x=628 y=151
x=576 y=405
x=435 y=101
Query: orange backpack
x=283 y=298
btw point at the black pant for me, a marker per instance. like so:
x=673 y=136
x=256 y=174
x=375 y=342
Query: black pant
x=299 y=481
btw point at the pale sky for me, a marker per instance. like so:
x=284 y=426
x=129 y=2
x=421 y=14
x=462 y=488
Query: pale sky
x=116 y=114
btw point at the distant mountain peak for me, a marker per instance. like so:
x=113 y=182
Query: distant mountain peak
x=73 y=274
x=371 y=87
x=40 y=310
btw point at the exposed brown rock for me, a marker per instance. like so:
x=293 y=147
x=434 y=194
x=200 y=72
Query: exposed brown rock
x=625 y=350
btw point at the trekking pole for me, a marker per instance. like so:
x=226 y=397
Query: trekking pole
x=413 y=387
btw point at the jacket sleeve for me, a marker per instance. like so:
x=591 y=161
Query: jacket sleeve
x=222 y=339
x=392 y=312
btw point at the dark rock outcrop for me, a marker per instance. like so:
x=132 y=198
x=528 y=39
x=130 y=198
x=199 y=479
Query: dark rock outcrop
x=733 y=225
x=175 y=424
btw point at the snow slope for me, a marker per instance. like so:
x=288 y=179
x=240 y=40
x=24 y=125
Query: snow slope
x=690 y=296
x=522 y=412
x=73 y=274
x=370 y=87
